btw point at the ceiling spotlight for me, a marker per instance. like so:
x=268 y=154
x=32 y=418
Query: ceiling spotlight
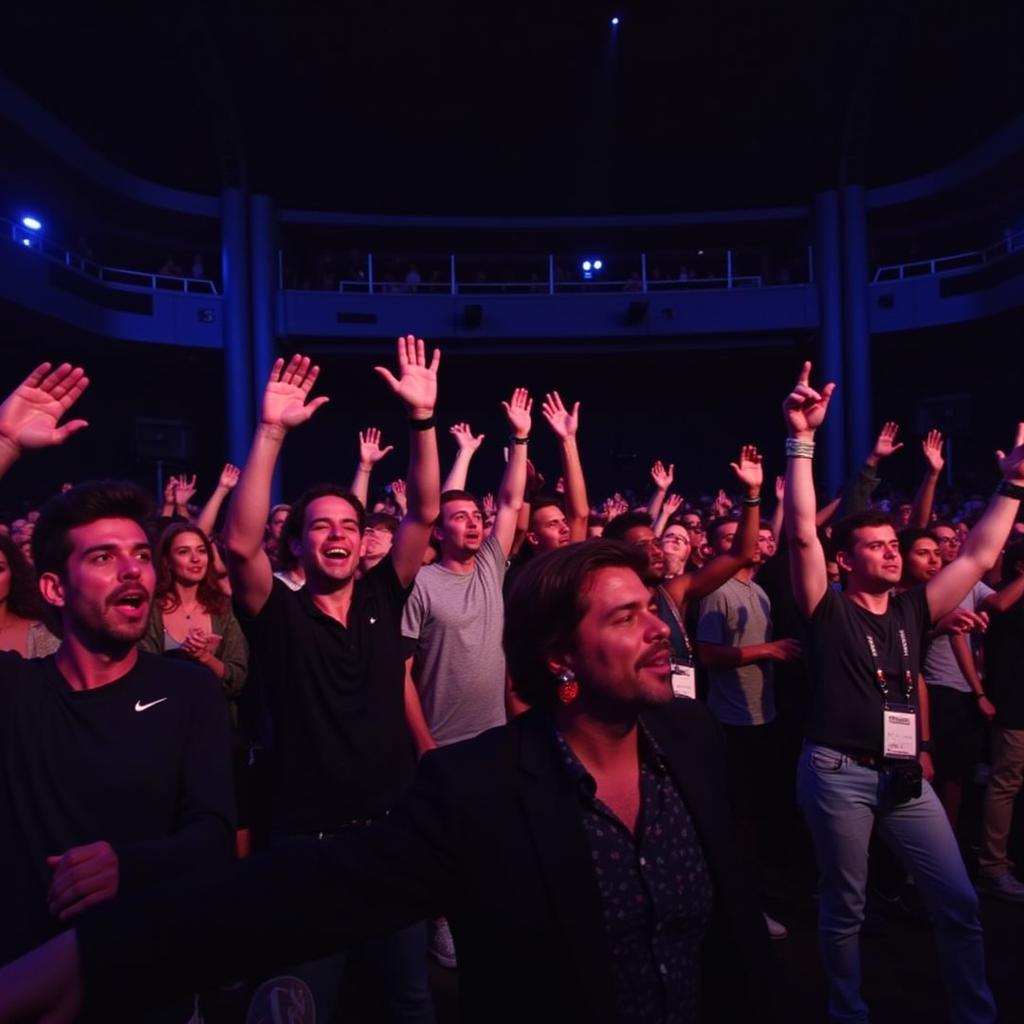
x=31 y=223
x=587 y=265
x=598 y=265
x=26 y=241
x=615 y=21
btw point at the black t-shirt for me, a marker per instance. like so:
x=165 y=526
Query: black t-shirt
x=1004 y=666
x=342 y=749
x=846 y=702
x=143 y=763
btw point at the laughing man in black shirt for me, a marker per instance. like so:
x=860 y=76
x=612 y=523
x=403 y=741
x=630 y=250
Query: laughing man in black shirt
x=332 y=652
x=859 y=767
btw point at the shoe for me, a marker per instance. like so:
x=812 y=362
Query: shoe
x=776 y=930
x=1004 y=887
x=442 y=945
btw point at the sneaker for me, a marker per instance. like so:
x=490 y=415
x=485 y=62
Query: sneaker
x=1003 y=887
x=776 y=929
x=442 y=945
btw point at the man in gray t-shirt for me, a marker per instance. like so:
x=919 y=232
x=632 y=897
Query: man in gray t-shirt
x=453 y=620
x=734 y=643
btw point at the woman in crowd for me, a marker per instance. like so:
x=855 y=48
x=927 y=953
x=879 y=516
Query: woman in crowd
x=20 y=606
x=191 y=614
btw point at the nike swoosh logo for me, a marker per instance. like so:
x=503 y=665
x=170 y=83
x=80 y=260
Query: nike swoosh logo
x=139 y=706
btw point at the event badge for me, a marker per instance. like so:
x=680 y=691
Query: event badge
x=684 y=680
x=899 y=731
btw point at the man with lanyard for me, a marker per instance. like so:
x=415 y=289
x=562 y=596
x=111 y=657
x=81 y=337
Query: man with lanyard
x=674 y=594
x=859 y=767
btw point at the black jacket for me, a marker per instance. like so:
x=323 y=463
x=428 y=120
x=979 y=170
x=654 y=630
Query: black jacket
x=491 y=836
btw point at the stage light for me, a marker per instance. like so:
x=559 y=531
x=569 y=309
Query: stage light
x=31 y=223
x=598 y=265
x=586 y=265
x=615 y=21
x=26 y=241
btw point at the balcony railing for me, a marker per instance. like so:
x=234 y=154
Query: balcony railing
x=117 y=277
x=957 y=263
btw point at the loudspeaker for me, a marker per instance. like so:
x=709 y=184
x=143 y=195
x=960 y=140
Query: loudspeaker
x=636 y=313
x=473 y=315
x=161 y=440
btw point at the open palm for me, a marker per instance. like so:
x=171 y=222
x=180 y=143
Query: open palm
x=30 y=416
x=285 y=400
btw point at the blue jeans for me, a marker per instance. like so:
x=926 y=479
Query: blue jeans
x=842 y=802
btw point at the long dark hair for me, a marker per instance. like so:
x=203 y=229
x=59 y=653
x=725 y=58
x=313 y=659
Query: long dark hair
x=23 y=599
x=209 y=595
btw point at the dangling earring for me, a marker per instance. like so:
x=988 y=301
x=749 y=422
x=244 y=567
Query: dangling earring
x=568 y=688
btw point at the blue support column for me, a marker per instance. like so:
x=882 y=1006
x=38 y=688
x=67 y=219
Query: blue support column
x=829 y=367
x=263 y=254
x=857 y=341
x=238 y=405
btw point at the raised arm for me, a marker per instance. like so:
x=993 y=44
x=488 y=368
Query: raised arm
x=669 y=508
x=370 y=453
x=694 y=585
x=931 y=448
x=804 y=411
x=565 y=424
x=985 y=542
x=184 y=491
x=513 y=481
x=779 y=512
x=467 y=446
x=207 y=518
x=416 y=386
x=663 y=479
x=286 y=405
x=858 y=489
x=31 y=413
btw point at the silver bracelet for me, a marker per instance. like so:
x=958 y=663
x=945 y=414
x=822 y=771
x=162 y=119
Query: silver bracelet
x=797 y=449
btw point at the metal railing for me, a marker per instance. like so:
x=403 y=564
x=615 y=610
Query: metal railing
x=538 y=276
x=116 y=277
x=957 y=263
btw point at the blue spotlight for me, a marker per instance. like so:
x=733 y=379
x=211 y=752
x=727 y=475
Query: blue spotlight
x=32 y=224
x=615 y=22
x=26 y=241
x=598 y=265
x=586 y=265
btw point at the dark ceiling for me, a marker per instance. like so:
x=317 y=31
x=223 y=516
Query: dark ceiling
x=476 y=107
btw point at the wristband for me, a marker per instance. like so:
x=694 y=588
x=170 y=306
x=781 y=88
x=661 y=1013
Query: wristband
x=980 y=695
x=428 y=424
x=1008 y=490
x=750 y=502
x=797 y=449
x=519 y=440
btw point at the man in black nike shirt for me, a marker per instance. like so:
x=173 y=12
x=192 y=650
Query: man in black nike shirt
x=114 y=764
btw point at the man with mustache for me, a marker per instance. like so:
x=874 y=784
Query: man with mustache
x=114 y=764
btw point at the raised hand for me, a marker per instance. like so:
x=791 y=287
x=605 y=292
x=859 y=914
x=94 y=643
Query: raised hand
x=1012 y=465
x=780 y=488
x=663 y=478
x=672 y=503
x=172 y=482
x=748 y=469
x=518 y=412
x=931 y=448
x=416 y=384
x=370 y=451
x=804 y=408
x=30 y=415
x=286 y=398
x=228 y=477
x=490 y=506
x=184 y=489
x=562 y=422
x=886 y=444
x=398 y=494
x=463 y=434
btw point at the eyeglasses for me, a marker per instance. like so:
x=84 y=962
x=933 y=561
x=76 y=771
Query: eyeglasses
x=672 y=539
x=694 y=527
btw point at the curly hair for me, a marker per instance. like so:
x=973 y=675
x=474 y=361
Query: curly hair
x=23 y=598
x=208 y=593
